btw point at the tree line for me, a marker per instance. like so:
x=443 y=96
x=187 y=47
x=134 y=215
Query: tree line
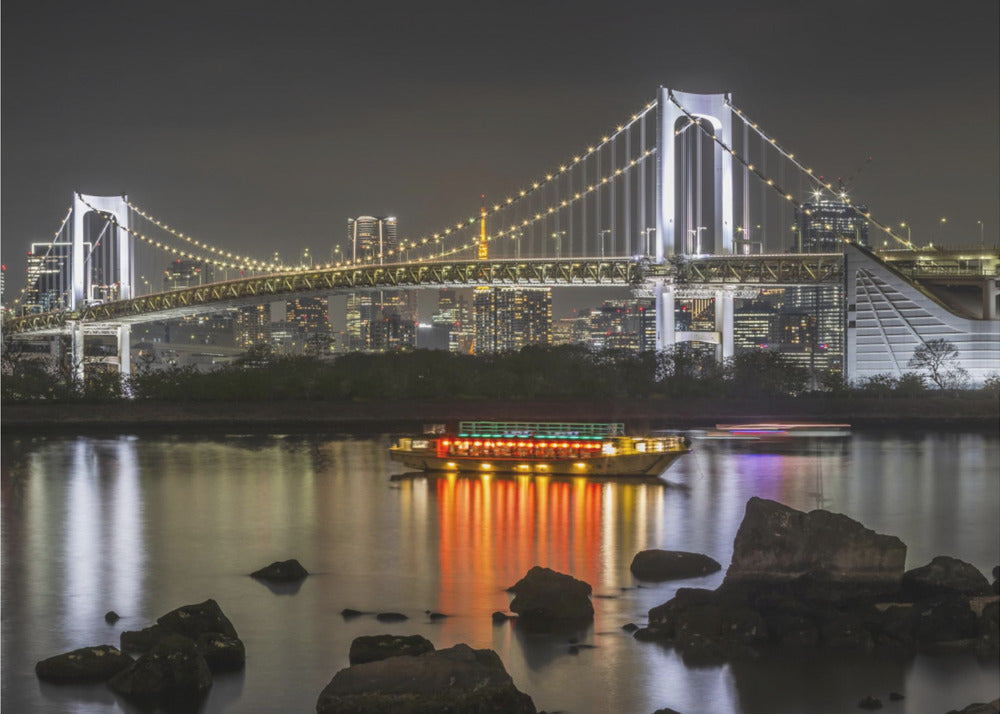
x=536 y=372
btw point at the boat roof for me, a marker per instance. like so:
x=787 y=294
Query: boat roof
x=547 y=429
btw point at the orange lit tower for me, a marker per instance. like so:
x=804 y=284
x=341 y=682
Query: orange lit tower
x=483 y=247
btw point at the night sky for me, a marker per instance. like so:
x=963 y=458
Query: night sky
x=262 y=126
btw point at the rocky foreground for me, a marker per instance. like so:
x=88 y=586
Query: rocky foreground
x=821 y=580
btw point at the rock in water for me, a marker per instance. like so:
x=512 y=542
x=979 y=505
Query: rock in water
x=458 y=680
x=111 y=617
x=545 y=597
x=87 y=664
x=141 y=640
x=372 y=648
x=671 y=564
x=221 y=653
x=944 y=576
x=281 y=571
x=776 y=542
x=194 y=620
x=172 y=674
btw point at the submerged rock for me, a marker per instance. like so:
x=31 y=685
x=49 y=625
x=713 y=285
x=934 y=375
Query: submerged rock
x=281 y=571
x=545 y=597
x=172 y=674
x=391 y=617
x=658 y=565
x=372 y=648
x=111 y=617
x=87 y=664
x=141 y=640
x=459 y=679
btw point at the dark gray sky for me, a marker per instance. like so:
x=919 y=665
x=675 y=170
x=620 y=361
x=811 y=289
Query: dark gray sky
x=261 y=126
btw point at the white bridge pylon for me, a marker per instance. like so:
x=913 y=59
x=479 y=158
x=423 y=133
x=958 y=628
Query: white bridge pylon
x=716 y=109
x=124 y=275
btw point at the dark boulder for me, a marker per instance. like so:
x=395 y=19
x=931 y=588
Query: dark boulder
x=630 y=627
x=657 y=565
x=459 y=680
x=846 y=631
x=501 y=617
x=944 y=620
x=172 y=674
x=222 y=653
x=111 y=617
x=372 y=648
x=142 y=640
x=194 y=620
x=775 y=542
x=870 y=702
x=979 y=708
x=391 y=617
x=87 y=664
x=895 y=696
x=944 y=576
x=348 y=613
x=707 y=626
x=988 y=642
x=281 y=571
x=666 y=710
x=544 y=597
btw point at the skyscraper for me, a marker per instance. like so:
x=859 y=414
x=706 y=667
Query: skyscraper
x=825 y=225
x=308 y=316
x=49 y=276
x=253 y=325
x=370 y=238
x=507 y=319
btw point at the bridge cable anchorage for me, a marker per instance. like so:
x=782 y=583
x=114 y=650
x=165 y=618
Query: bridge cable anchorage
x=177 y=234
x=436 y=239
x=55 y=237
x=770 y=182
x=809 y=172
x=162 y=246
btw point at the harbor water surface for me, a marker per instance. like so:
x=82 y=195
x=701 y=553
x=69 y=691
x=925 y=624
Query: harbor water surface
x=143 y=524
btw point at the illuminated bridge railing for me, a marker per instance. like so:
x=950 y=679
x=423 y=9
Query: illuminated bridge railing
x=750 y=270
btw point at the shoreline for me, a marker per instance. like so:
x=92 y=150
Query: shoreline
x=927 y=413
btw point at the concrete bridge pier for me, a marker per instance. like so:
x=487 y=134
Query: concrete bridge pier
x=724 y=323
x=76 y=349
x=990 y=293
x=666 y=337
x=124 y=351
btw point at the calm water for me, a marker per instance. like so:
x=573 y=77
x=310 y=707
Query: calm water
x=144 y=524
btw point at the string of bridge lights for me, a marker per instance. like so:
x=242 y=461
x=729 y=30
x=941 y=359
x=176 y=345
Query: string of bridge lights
x=770 y=182
x=55 y=237
x=513 y=231
x=541 y=183
x=434 y=239
x=818 y=181
x=249 y=262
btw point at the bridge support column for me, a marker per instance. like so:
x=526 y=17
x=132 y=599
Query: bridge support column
x=724 y=323
x=990 y=292
x=76 y=350
x=666 y=337
x=125 y=351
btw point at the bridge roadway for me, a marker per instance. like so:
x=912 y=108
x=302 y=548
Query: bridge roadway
x=752 y=270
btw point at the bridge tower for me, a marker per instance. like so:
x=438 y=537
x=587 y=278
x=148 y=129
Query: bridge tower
x=671 y=238
x=715 y=109
x=124 y=267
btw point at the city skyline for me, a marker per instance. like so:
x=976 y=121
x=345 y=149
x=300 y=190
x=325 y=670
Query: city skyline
x=239 y=178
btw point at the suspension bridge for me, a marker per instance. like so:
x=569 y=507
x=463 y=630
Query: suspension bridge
x=686 y=195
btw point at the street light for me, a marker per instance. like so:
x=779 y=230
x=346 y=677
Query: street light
x=557 y=237
x=603 y=234
x=909 y=238
x=941 y=226
x=696 y=232
x=981 y=245
x=646 y=231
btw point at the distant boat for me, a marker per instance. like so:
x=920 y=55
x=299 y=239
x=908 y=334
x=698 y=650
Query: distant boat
x=775 y=431
x=540 y=448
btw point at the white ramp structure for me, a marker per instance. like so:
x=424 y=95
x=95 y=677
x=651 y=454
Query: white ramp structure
x=888 y=318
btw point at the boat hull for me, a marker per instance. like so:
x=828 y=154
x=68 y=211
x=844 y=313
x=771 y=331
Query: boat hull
x=604 y=466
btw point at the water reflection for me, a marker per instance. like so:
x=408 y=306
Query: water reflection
x=144 y=525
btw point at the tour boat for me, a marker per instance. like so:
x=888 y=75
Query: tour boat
x=540 y=448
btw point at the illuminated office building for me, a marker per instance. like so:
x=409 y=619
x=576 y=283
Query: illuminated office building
x=49 y=277
x=825 y=226
x=253 y=325
x=186 y=274
x=507 y=319
x=370 y=238
x=308 y=316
